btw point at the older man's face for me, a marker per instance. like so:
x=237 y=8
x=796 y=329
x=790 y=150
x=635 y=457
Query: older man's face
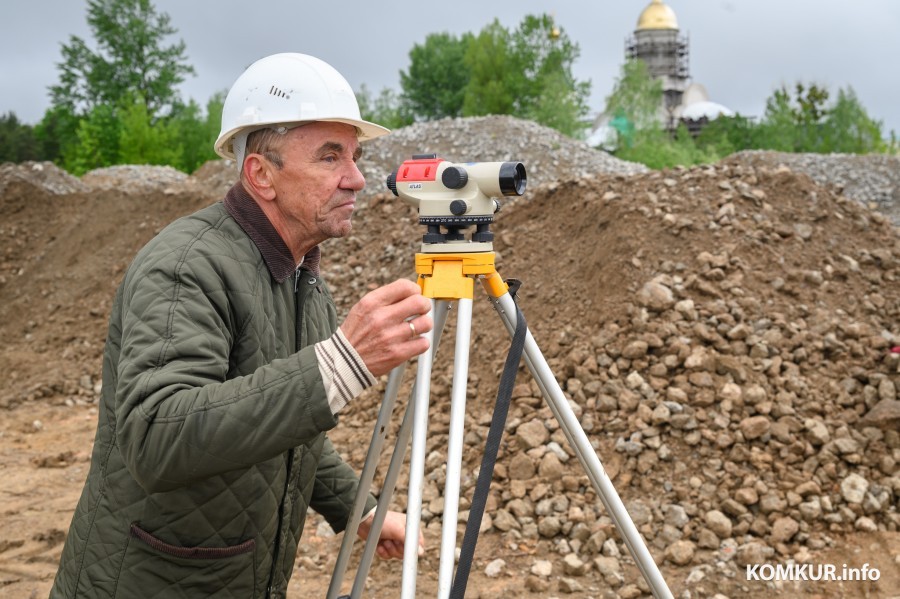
x=317 y=186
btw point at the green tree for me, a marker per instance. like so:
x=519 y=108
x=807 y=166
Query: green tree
x=491 y=87
x=434 y=85
x=807 y=123
x=548 y=92
x=97 y=141
x=810 y=112
x=560 y=107
x=387 y=109
x=131 y=58
x=658 y=149
x=194 y=132
x=143 y=142
x=795 y=123
x=778 y=129
x=636 y=97
x=635 y=110
x=57 y=131
x=811 y=102
x=526 y=72
x=17 y=140
x=849 y=128
x=727 y=135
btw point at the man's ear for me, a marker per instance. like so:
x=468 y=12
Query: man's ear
x=258 y=175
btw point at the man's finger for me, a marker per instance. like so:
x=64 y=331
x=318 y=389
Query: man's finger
x=394 y=292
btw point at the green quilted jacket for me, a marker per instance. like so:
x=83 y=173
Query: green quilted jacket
x=211 y=440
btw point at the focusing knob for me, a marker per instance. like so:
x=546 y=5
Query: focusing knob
x=458 y=207
x=392 y=183
x=455 y=177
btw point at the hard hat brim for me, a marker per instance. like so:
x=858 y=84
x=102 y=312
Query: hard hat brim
x=366 y=131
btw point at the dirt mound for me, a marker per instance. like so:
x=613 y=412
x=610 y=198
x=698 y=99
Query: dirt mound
x=727 y=336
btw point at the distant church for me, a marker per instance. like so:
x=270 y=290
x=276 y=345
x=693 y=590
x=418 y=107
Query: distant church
x=658 y=41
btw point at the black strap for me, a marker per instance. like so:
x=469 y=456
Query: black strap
x=492 y=446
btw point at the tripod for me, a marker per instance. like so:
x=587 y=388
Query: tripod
x=447 y=277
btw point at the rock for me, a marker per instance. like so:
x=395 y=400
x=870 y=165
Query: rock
x=630 y=591
x=675 y=515
x=550 y=468
x=811 y=511
x=853 y=488
x=635 y=350
x=536 y=584
x=865 y=524
x=719 y=523
x=754 y=552
x=521 y=467
x=532 y=434
x=887 y=390
x=610 y=569
x=504 y=521
x=772 y=502
x=656 y=296
x=549 y=526
x=885 y=415
x=542 y=568
x=570 y=585
x=573 y=566
x=755 y=427
x=495 y=568
x=680 y=553
x=746 y=496
x=817 y=432
x=784 y=529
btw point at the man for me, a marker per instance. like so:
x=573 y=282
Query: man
x=224 y=364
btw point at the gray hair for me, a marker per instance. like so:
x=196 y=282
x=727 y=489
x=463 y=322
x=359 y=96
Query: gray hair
x=267 y=141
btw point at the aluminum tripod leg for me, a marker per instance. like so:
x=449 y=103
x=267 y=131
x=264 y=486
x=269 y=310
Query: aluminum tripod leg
x=393 y=472
x=454 y=462
x=365 y=479
x=417 y=469
x=579 y=442
x=390 y=483
x=368 y=472
x=455 y=447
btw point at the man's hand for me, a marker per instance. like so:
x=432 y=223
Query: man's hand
x=393 y=535
x=378 y=326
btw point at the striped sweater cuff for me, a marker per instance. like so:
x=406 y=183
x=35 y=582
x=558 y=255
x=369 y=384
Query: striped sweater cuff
x=343 y=372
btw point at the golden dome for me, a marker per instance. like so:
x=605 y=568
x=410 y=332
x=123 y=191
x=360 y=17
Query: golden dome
x=657 y=16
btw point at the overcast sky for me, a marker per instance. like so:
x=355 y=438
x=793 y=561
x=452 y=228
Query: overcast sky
x=740 y=50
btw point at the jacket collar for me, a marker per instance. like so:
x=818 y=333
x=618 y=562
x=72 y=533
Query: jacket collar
x=275 y=252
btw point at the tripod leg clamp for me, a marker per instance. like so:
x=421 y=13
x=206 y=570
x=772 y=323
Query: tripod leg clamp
x=447 y=282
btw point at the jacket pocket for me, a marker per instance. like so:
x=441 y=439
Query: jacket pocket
x=153 y=568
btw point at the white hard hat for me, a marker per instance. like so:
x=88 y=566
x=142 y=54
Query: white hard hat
x=284 y=90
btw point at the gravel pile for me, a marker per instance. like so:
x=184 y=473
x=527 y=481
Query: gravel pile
x=133 y=179
x=43 y=175
x=872 y=179
x=547 y=154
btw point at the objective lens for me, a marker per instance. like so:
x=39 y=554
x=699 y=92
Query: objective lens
x=512 y=178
